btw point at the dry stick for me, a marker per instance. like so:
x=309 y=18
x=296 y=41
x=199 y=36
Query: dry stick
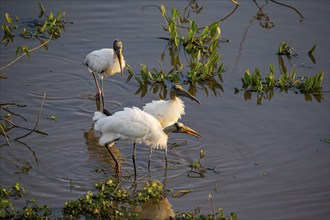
x=222 y=19
x=38 y=118
x=32 y=151
x=5 y=134
x=7 y=110
x=210 y=198
x=17 y=126
x=19 y=57
x=289 y=6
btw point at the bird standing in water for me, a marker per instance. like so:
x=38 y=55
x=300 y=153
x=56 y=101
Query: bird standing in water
x=136 y=126
x=167 y=112
x=105 y=62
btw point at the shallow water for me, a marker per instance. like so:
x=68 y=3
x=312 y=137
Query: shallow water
x=272 y=161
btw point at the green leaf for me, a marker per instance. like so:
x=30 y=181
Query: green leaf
x=43 y=27
x=271 y=68
x=8 y=19
x=312 y=49
x=163 y=11
x=23 y=49
x=193 y=26
x=53 y=118
x=42 y=10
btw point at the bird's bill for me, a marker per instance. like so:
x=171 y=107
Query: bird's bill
x=119 y=56
x=190 y=131
x=187 y=94
x=182 y=92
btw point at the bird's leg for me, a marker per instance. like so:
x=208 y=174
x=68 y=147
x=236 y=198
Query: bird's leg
x=102 y=92
x=117 y=167
x=166 y=159
x=98 y=94
x=134 y=159
x=149 y=159
x=165 y=174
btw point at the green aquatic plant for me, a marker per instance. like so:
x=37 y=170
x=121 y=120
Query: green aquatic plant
x=31 y=210
x=199 y=45
x=197 y=169
x=286 y=49
x=111 y=201
x=264 y=87
x=195 y=214
x=44 y=29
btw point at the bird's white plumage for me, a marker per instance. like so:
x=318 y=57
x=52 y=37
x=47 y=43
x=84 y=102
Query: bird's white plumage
x=130 y=124
x=167 y=112
x=104 y=62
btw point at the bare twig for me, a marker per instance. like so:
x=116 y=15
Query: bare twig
x=38 y=118
x=211 y=198
x=17 y=126
x=5 y=134
x=32 y=151
x=7 y=110
x=22 y=55
x=237 y=4
x=289 y=6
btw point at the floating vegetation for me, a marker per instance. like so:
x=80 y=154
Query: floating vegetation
x=264 y=87
x=111 y=201
x=200 y=48
x=47 y=27
x=286 y=49
x=197 y=169
x=31 y=210
x=52 y=118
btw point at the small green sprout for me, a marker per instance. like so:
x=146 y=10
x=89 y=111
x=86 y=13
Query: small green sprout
x=53 y=118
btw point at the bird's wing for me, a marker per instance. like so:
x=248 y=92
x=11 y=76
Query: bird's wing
x=131 y=124
x=128 y=123
x=98 y=61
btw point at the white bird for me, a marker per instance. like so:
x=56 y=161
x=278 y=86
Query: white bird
x=135 y=126
x=167 y=112
x=105 y=62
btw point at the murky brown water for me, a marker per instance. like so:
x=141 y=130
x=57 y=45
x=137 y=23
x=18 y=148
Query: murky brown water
x=272 y=162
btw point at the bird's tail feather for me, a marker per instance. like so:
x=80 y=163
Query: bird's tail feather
x=97 y=116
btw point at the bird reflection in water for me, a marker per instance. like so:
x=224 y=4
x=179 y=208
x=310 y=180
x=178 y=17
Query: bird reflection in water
x=155 y=208
x=99 y=153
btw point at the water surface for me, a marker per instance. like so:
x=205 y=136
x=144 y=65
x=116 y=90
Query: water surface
x=271 y=159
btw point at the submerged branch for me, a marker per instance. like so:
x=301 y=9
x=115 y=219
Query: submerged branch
x=289 y=6
x=237 y=4
x=37 y=122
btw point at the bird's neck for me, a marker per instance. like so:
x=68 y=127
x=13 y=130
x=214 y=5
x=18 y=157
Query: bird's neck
x=168 y=129
x=173 y=96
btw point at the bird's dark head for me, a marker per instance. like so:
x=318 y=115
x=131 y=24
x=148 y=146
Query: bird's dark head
x=117 y=45
x=178 y=90
x=179 y=127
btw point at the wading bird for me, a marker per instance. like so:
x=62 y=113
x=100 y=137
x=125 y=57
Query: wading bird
x=136 y=126
x=167 y=112
x=105 y=62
